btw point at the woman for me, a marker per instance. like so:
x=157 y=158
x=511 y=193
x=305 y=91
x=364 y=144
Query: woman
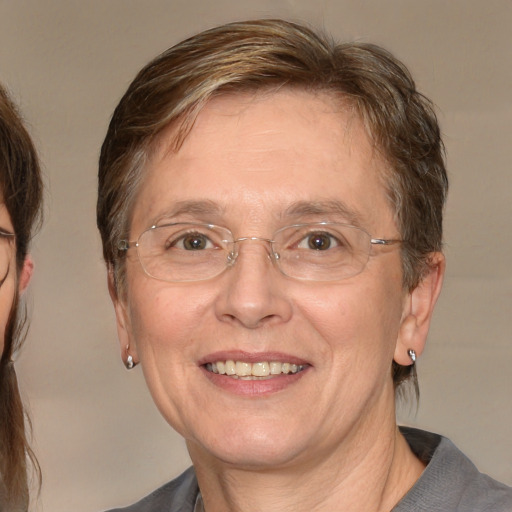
x=20 y=212
x=270 y=206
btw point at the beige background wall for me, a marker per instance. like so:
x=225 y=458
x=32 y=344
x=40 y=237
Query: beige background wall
x=99 y=438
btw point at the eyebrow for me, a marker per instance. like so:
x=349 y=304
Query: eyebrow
x=211 y=210
x=329 y=207
x=202 y=208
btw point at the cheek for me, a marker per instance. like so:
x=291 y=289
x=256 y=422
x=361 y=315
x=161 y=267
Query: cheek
x=166 y=319
x=356 y=320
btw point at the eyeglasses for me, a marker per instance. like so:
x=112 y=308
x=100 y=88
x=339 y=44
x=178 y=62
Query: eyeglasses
x=323 y=251
x=6 y=243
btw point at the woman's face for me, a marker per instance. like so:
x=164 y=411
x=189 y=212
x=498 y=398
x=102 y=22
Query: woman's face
x=254 y=164
x=7 y=270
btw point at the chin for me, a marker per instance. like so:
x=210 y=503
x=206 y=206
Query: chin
x=248 y=446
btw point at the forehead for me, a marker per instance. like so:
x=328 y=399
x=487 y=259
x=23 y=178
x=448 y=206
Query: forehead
x=264 y=153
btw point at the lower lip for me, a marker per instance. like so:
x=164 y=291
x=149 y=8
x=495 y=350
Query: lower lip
x=255 y=387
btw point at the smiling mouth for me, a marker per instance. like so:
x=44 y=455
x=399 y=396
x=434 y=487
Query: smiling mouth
x=253 y=371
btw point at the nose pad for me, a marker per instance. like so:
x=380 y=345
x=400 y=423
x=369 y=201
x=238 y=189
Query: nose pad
x=231 y=258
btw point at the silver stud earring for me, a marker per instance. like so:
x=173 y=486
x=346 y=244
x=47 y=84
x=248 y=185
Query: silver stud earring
x=412 y=355
x=129 y=363
x=129 y=359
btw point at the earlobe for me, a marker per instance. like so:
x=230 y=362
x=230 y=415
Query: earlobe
x=418 y=309
x=128 y=348
x=25 y=274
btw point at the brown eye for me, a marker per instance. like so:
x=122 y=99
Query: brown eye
x=319 y=241
x=188 y=242
x=194 y=242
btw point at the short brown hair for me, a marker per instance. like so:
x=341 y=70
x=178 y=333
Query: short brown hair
x=261 y=54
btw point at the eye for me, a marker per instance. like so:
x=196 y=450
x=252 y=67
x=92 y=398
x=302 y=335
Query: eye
x=319 y=241
x=190 y=242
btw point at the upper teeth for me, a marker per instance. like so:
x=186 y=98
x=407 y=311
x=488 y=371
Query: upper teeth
x=260 y=369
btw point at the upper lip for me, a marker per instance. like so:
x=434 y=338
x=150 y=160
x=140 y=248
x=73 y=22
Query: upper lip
x=251 y=357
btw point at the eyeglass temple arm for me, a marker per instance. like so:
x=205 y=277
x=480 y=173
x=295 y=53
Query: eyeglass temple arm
x=383 y=241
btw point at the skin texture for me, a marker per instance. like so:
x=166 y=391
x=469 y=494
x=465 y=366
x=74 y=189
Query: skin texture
x=254 y=158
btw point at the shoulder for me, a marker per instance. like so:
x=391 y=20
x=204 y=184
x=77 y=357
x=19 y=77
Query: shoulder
x=179 y=495
x=450 y=482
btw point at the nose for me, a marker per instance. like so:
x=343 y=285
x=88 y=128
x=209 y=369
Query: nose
x=254 y=293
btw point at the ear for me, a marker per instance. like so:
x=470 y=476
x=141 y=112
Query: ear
x=417 y=311
x=123 y=322
x=25 y=274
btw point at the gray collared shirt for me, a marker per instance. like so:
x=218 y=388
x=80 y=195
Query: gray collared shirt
x=450 y=483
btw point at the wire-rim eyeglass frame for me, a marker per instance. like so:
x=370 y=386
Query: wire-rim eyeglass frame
x=347 y=258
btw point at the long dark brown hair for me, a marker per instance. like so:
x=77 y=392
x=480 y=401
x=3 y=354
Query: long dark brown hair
x=21 y=192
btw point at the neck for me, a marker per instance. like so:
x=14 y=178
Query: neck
x=371 y=474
